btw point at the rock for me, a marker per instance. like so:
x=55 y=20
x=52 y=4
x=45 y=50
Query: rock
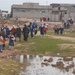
x=50 y=60
x=68 y=58
x=45 y=60
x=45 y=63
x=59 y=65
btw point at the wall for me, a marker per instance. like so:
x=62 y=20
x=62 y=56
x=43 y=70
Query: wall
x=31 y=13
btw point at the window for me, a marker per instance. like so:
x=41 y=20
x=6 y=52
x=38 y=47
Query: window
x=65 y=12
x=58 y=8
x=20 y=10
x=43 y=11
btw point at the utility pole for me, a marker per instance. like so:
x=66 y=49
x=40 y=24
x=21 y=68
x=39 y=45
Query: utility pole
x=46 y=2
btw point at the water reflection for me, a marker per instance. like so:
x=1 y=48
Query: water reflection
x=46 y=65
x=36 y=67
x=21 y=58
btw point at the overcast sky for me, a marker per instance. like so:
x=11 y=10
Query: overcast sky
x=6 y=4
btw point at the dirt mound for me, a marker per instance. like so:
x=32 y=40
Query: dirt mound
x=13 y=22
x=8 y=52
x=66 y=46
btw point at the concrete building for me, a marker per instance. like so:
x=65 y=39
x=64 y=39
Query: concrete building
x=5 y=14
x=30 y=10
x=56 y=12
x=62 y=11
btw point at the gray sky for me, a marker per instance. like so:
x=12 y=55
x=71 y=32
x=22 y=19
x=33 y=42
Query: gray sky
x=6 y=4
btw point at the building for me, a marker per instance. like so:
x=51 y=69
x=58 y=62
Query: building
x=62 y=12
x=5 y=14
x=30 y=10
x=56 y=12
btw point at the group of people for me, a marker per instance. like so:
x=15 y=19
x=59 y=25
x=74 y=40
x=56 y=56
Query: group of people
x=58 y=29
x=32 y=28
x=43 y=28
x=16 y=32
x=5 y=33
x=8 y=34
x=68 y=23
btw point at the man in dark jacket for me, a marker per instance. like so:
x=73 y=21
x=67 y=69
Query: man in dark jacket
x=31 y=29
x=25 y=32
x=41 y=28
x=18 y=32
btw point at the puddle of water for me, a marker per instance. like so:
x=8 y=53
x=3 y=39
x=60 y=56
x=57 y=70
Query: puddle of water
x=45 y=65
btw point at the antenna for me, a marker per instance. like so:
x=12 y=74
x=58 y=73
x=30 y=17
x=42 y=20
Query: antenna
x=46 y=2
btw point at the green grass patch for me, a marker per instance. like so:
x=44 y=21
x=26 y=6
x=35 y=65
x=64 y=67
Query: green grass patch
x=66 y=33
x=44 y=44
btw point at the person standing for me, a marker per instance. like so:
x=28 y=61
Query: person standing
x=61 y=29
x=34 y=25
x=25 y=32
x=31 y=29
x=18 y=32
x=1 y=44
x=55 y=29
x=7 y=30
x=58 y=29
x=41 y=28
x=45 y=28
x=11 y=41
x=3 y=31
x=13 y=30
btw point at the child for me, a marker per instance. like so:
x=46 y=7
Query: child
x=1 y=44
x=11 y=42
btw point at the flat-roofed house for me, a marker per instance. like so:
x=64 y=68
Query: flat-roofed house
x=56 y=12
x=30 y=10
x=63 y=11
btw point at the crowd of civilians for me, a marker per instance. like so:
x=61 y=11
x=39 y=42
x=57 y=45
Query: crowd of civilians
x=17 y=32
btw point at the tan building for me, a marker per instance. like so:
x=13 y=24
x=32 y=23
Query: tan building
x=56 y=12
x=30 y=10
x=62 y=11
